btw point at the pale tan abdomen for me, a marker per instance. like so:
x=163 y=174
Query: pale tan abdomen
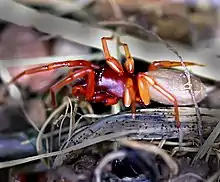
x=175 y=82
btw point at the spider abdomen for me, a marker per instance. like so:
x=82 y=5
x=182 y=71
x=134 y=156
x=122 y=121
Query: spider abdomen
x=175 y=82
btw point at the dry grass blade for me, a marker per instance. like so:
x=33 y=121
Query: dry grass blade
x=39 y=145
x=63 y=153
x=170 y=143
x=40 y=134
x=72 y=121
x=117 y=10
x=208 y=143
x=185 y=149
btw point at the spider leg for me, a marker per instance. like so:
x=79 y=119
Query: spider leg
x=151 y=81
x=88 y=92
x=105 y=98
x=168 y=64
x=130 y=95
x=143 y=87
x=53 y=66
x=78 y=90
x=129 y=63
x=111 y=61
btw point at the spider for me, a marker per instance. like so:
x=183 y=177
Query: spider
x=114 y=81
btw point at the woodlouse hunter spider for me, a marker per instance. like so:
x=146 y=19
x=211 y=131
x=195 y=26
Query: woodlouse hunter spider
x=114 y=81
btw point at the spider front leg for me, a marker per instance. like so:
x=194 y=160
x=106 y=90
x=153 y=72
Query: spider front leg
x=168 y=64
x=111 y=61
x=144 y=81
x=129 y=63
x=52 y=66
x=88 y=92
x=130 y=96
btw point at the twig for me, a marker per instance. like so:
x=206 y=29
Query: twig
x=170 y=143
x=184 y=149
x=161 y=143
x=116 y=9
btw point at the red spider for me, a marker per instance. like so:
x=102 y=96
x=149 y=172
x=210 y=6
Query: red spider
x=112 y=82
